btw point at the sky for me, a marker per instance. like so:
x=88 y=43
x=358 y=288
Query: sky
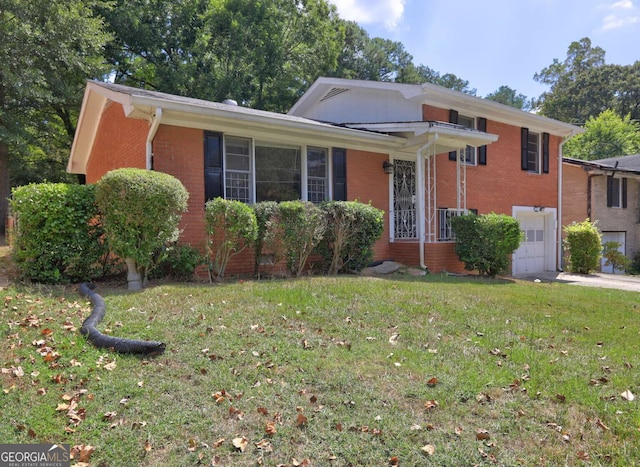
x=492 y=43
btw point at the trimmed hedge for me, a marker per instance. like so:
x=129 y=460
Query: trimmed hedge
x=352 y=230
x=584 y=245
x=231 y=227
x=141 y=211
x=485 y=242
x=58 y=236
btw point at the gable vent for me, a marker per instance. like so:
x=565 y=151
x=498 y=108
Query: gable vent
x=333 y=93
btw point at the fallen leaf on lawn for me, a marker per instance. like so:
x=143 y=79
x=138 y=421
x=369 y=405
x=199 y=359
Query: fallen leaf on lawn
x=302 y=463
x=482 y=435
x=432 y=382
x=82 y=452
x=561 y=397
x=42 y=392
x=628 y=395
x=192 y=445
x=429 y=449
x=62 y=407
x=270 y=428
x=394 y=461
x=240 y=443
x=110 y=366
x=140 y=384
x=301 y=420
x=431 y=404
x=147 y=446
x=393 y=340
x=583 y=456
x=264 y=445
x=602 y=425
x=263 y=411
x=219 y=443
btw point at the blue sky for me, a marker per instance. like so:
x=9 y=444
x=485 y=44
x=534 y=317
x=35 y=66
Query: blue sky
x=499 y=42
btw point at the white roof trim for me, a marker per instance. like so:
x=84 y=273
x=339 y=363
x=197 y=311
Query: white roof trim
x=442 y=97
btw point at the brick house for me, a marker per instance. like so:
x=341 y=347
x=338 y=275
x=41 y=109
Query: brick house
x=422 y=153
x=606 y=191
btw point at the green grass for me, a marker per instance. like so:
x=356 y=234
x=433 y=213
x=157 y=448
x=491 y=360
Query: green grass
x=540 y=366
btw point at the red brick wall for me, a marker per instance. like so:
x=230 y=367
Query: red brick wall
x=574 y=194
x=367 y=182
x=120 y=142
x=501 y=183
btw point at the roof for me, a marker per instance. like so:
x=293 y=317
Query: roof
x=158 y=107
x=198 y=113
x=432 y=94
x=627 y=164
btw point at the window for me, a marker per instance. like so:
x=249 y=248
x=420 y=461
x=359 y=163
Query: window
x=445 y=232
x=278 y=172
x=317 y=174
x=616 y=192
x=238 y=169
x=243 y=170
x=534 y=151
x=470 y=151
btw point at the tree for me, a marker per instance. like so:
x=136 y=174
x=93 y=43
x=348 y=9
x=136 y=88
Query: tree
x=48 y=50
x=262 y=54
x=607 y=135
x=583 y=86
x=508 y=96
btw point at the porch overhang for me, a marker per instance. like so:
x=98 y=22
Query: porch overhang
x=451 y=137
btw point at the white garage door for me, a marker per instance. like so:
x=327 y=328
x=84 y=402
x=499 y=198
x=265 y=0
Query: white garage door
x=530 y=257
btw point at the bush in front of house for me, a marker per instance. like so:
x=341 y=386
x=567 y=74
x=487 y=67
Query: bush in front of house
x=265 y=243
x=176 y=261
x=231 y=227
x=614 y=257
x=584 y=246
x=352 y=230
x=301 y=226
x=141 y=210
x=485 y=242
x=58 y=236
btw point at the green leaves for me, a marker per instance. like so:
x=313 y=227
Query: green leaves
x=484 y=242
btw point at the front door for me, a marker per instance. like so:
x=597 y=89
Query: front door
x=404 y=200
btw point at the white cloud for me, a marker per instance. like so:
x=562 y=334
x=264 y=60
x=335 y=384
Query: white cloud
x=620 y=14
x=386 y=12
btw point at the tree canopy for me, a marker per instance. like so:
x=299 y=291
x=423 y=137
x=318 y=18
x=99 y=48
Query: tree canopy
x=583 y=85
x=607 y=135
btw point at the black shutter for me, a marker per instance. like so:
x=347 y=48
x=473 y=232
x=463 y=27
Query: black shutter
x=624 y=193
x=524 y=148
x=545 y=153
x=453 y=118
x=213 y=167
x=482 y=150
x=339 y=174
x=609 y=191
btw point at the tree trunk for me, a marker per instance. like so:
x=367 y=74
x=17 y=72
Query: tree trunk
x=133 y=275
x=5 y=190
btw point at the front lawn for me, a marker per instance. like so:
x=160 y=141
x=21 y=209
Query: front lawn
x=330 y=371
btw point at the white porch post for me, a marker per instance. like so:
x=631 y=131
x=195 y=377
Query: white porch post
x=420 y=182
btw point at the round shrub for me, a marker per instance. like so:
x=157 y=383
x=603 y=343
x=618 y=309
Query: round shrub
x=141 y=210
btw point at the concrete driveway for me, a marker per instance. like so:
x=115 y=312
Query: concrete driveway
x=606 y=281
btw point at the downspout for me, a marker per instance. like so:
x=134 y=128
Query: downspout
x=153 y=128
x=421 y=188
x=560 y=251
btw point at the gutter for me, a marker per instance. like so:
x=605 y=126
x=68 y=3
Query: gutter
x=560 y=250
x=420 y=208
x=153 y=128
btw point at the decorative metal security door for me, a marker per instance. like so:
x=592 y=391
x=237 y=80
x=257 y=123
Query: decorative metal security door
x=404 y=199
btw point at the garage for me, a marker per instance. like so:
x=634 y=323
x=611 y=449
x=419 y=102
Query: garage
x=537 y=249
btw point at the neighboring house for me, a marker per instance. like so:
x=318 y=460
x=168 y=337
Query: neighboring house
x=422 y=153
x=606 y=191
